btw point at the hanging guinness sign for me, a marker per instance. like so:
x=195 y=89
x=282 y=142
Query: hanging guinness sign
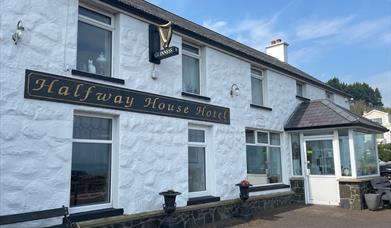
x=157 y=36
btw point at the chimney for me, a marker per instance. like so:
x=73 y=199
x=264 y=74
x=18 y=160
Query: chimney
x=278 y=49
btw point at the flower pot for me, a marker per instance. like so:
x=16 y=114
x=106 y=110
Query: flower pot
x=372 y=200
x=244 y=191
x=169 y=200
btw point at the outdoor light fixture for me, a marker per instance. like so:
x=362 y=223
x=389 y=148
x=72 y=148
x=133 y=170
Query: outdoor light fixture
x=234 y=90
x=18 y=33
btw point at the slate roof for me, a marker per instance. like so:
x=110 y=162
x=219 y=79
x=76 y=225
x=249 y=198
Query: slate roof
x=325 y=114
x=158 y=15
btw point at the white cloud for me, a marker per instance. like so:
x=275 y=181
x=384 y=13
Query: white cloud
x=256 y=33
x=345 y=30
x=314 y=29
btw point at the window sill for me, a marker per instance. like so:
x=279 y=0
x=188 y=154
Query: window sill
x=98 y=77
x=192 y=95
x=260 y=107
x=95 y=214
x=268 y=187
x=302 y=98
x=202 y=200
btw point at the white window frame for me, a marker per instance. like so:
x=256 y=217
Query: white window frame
x=303 y=94
x=208 y=160
x=291 y=153
x=199 y=57
x=261 y=77
x=267 y=145
x=113 y=201
x=101 y=25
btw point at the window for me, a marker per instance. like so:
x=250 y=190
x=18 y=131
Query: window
x=94 y=42
x=263 y=152
x=329 y=96
x=91 y=161
x=365 y=152
x=197 y=160
x=344 y=151
x=191 y=80
x=257 y=96
x=296 y=154
x=299 y=89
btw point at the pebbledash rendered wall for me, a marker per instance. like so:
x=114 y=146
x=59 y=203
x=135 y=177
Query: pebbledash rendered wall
x=151 y=156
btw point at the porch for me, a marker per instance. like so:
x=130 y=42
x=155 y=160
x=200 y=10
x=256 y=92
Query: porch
x=334 y=151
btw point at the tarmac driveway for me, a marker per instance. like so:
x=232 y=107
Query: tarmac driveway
x=314 y=217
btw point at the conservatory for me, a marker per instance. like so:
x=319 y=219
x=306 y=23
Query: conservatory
x=334 y=151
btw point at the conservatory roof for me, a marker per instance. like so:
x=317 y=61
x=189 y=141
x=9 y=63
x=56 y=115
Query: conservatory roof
x=318 y=114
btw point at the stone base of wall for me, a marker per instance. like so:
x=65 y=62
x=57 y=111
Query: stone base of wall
x=351 y=193
x=297 y=186
x=193 y=216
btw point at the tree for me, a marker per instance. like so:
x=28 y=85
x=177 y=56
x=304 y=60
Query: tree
x=365 y=97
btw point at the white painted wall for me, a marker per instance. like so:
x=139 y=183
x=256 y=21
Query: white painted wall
x=36 y=136
x=386 y=118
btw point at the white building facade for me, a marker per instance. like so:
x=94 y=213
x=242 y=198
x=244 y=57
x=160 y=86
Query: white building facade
x=384 y=119
x=85 y=157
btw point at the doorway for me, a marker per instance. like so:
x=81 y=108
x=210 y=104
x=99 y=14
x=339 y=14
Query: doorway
x=321 y=183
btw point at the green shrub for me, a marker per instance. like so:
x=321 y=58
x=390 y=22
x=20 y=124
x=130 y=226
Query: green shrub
x=384 y=152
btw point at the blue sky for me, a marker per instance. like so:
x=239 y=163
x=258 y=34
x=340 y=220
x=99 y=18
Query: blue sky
x=349 y=39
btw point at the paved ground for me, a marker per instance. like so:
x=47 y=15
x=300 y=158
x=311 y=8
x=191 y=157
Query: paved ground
x=314 y=217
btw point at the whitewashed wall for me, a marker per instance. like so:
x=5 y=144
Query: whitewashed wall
x=36 y=136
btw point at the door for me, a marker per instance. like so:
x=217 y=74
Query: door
x=321 y=182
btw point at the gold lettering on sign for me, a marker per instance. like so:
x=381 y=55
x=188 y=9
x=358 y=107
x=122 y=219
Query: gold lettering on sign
x=77 y=94
x=186 y=110
x=200 y=110
x=89 y=91
x=129 y=102
x=149 y=102
x=161 y=106
x=103 y=96
x=118 y=99
x=42 y=83
x=179 y=108
x=225 y=114
x=170 y=107
x=63 y=90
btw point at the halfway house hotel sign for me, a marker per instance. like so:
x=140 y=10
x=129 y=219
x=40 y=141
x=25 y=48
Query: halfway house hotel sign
x=49 y=87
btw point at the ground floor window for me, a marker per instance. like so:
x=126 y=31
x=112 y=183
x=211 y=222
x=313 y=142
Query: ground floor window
x=365 y=153
x=296 y=154
x=197 y=159
x=91 y=161
x=320 y=157
x=344 y=151
x=263 y=152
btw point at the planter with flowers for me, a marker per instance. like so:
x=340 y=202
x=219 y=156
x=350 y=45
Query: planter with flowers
x=244 y=187
x=244 y=210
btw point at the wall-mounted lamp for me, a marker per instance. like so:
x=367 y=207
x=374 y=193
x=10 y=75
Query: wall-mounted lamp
x=234 y=90
x=18 y=33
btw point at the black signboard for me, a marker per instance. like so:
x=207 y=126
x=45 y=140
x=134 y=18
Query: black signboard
x=165 y=53
x=49 y=87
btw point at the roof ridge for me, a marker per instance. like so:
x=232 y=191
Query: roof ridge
x=327 y=105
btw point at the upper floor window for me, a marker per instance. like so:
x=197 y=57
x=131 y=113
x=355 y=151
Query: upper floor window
x=300 y=89
x=191 y=80
x=257 y=81
x=94 y=42
x=330 y=96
